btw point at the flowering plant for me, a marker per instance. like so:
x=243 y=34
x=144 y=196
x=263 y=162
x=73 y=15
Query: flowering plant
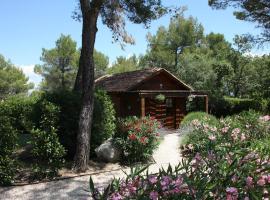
x=137 y=137
x=221 y=164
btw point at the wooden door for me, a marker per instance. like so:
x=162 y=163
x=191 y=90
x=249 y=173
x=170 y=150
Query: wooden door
x=170 y=113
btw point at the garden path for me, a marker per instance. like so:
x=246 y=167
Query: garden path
x=78 y=187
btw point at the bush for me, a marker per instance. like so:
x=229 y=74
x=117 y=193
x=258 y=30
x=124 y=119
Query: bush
x=230 y=105
x=222 y=164
x=19 y=109
x=201 y=116
x=103 y=126
x=47 y=150
x=8 y=142
x=69 y=103
x=137 y=137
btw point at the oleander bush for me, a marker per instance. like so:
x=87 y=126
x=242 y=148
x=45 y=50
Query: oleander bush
x=224 y=163
x=137 y=137
x=202 y=116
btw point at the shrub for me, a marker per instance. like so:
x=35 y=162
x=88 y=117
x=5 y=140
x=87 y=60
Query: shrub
x=69 y=103
x=19 y=109
x=103 y=126
x=222 y=164
x=137 y=137
x=47 y=150
x=201 y=116
x=8 y=142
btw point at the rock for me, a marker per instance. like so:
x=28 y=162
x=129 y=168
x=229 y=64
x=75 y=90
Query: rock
x=108 y=152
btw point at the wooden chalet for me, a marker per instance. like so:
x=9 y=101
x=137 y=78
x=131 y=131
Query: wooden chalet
x=134 y=94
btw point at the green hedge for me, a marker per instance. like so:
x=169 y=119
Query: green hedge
x=103 y=125
x=229 y=106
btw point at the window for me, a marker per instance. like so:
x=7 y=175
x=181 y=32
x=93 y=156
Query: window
x=169 y=103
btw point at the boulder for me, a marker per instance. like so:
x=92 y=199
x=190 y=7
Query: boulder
x=108 y=152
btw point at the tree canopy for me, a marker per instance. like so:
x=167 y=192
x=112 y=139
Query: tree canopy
x=12 y=80
x=256 y=11
x=123 y=64
x=60 y=64
x=165 y=47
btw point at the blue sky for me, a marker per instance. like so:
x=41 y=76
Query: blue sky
x=28 y=26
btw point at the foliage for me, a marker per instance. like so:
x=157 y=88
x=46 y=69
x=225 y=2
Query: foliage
x=59 y=64
x=20 y=110
x=221 y=164
x=104 y=121
x=237 y=105
x=249 y=10
x=101 y=63
x=201 y=116
x=12 y=80
x=160 y=98
x=47 y=150
x=137 y=137
x=123 y=64
x=168 y=44
x=69 y=104
x=8 y=143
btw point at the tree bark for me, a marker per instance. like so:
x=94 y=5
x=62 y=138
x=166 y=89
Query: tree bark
x=89 y=30
x=78 y=87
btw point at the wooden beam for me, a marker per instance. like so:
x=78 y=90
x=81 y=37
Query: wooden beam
x=142 y=107
x=206 y=104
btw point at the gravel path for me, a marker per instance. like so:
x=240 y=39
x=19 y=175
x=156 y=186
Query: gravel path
x=78 y=188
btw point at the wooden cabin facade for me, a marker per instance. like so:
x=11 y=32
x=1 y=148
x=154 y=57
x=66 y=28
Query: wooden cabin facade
x=134 y=94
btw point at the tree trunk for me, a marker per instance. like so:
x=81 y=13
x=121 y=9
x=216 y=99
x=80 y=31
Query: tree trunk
x=89 y=30
x=78 y=87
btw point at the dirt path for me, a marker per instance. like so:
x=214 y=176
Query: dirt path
x=78 y=188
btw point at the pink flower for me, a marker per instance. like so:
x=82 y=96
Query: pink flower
x=243 y=137
x=116 y=196
x=198 y=157
x=214 y=129
x=153 y=195
x=212 y=138
x=225 y=129
x=236 y=131
x=261 y=181
x=265 y=118
x=232 y=193
x=249 y=181
x=165 y=181
x=196 y=122
x=152 y=179
x=178 y=182
x=234 y=179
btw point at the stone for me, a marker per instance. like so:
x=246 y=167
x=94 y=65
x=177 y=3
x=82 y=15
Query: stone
x=108 y=152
